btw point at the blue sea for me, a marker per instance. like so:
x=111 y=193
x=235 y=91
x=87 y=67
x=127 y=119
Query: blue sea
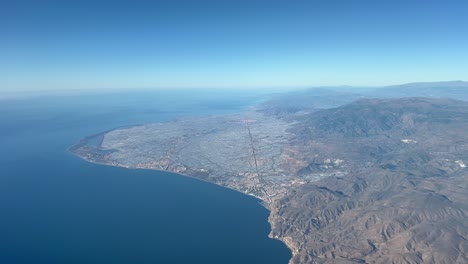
x=57 y=208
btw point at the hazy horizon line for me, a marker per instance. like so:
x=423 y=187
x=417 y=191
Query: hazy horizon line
x=11 y=94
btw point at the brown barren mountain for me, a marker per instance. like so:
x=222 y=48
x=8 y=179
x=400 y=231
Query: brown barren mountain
x=405 y=197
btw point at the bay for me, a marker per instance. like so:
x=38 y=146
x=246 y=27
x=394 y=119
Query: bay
x=57 y=208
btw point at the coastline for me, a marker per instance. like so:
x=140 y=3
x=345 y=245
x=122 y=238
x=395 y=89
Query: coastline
x=262 y=202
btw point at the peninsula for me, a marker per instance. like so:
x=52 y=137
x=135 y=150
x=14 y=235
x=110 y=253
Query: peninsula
x=348 y=177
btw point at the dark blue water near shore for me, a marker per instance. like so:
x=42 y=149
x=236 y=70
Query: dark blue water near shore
x=56 y=208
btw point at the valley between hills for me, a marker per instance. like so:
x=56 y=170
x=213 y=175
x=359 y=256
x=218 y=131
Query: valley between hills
x=349 y=175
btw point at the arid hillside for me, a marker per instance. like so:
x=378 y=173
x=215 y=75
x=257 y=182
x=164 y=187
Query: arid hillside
x=404 y=199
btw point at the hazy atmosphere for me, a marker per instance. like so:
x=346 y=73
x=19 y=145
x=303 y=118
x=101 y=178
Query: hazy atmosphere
x=49 y=45
x=234 y=132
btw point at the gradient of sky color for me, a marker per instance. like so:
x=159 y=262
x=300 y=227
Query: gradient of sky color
x=214 y=43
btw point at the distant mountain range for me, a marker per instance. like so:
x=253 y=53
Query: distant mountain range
x=328 y=97
x=453 y=89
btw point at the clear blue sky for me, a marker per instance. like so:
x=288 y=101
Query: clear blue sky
x=214 y=43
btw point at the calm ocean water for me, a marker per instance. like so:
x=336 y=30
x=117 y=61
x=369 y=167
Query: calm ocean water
x=56 y=208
